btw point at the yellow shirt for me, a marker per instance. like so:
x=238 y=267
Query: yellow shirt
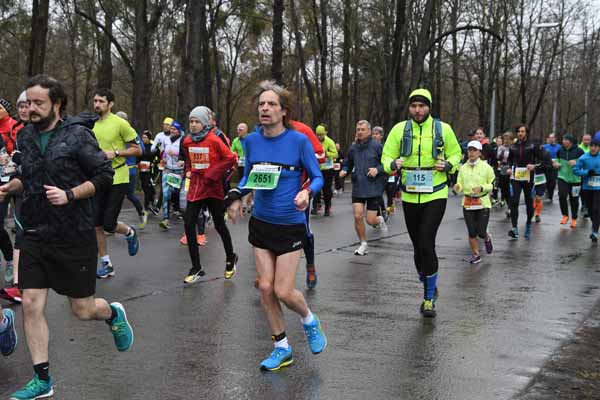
x=112 y=133
x=480 y=174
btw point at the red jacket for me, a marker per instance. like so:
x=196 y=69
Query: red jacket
x=207 y=162
x=6 y=127
x=316 y=144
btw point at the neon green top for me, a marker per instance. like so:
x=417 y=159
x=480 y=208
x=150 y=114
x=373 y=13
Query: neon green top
x=422 y=156
x=236 y=147
x=113 y=133
x=331 y=153
x=586 y=149
x=481 y=174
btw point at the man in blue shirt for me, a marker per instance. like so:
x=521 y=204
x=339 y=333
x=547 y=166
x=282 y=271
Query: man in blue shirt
x=551 y=174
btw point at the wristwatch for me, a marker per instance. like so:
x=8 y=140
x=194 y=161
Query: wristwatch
x=70 y=195
x=116 y=153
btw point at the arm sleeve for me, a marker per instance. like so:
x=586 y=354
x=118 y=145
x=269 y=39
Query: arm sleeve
x=488 y=186
x=128 y=133
x=452 y=149
x=459 y=180
x=311 y=166
x=349 y=161
x=331 y=150
x=391 y=150
x=380 y=168
x=93 y=161
x=579 y=168
x=226 y=161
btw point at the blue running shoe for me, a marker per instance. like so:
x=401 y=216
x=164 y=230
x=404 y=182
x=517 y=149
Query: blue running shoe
x=280 y=357
x=105 y=271
x=527 y=234
x=133 y=243
x=34 y=389
x=120 y=328
x=315 y=336
x=8 y=338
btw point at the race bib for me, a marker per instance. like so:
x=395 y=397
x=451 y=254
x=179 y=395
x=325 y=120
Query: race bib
x=199 y=158
x=337 y=166
x=4 y=178
x=539 y=179
x=263 y=177
x=241 y=161
x=594 y=181
x=187 y=185
x=575 y=191
x=174 y=180
x=391 y=179
x=144 y=166
x=419 y=181
x=328 y=164
x=472 y=203
x=522 y=174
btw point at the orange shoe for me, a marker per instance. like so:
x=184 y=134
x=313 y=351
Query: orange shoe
x=183 y=240
x=573 y=223
x=564 y=219
x=201 y=240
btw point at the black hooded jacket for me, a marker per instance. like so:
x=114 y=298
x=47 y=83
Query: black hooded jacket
x=72 y=157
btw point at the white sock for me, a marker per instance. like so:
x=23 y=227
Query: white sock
x=283 y=343
x=308 y=319
x=364 y=244
x=3 y=323
x=106 y=258
x=129 y=232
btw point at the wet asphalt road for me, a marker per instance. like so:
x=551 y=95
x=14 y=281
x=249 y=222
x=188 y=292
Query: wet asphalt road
x=497 y=322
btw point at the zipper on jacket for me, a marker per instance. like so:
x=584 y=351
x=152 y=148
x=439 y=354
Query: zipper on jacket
x=419 y=156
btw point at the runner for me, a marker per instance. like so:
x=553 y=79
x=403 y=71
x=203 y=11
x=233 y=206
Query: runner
x=158 y=146
x=207 y=159
x=551 y=174
x=276 y=158
x=540 y=184
x=131 y=195
x=337 y=167
x=172 y=175
x=8 y=333
x=118 y=140
x=522 y=159
x=476 y=180
x=145 y=164
x=363 y=161
x=588 y=167
x=237 y=146
x=326 y=170
x=502 y=178
x=6 y=148
x=62 y=168
x=586 y=139
x=569 y=184
x=424 y=150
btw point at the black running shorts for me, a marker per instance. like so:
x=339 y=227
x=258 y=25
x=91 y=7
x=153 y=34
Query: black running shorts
x=279 y=239
x=373 y=203
x=107 y=206
x=68 y=269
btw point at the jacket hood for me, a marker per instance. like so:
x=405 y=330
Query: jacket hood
x=86 y=119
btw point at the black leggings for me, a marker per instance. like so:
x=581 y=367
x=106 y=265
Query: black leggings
x=217 y=209
x=327 y=191
x=516 y=187
x=390 y=191
x=565 y=191
x=551 y=177
x=477 y=222
x=422 y=222
x=148 y=188
x=5 y=243
x=592 y=200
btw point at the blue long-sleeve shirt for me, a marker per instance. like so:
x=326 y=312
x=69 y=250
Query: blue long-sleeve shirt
x=552 y=149
x=291 y=149
x=584 y=164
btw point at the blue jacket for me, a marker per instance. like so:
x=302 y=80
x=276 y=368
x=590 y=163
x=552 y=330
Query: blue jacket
x=359 y=159
x=585 y=163
x=552 y=149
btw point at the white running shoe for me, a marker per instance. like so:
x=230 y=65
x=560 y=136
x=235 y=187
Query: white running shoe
x=382 y=225
x=362 y=250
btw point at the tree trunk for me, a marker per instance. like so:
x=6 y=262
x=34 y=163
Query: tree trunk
x=39 y=33
x=343 y=126
x=277 y=50
x=422 y=45
x=105 y=68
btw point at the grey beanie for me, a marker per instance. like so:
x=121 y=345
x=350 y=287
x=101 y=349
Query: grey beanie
x=202 y=113
x=22 y=98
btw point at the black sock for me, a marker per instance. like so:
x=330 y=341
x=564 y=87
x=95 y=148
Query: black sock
x=113 y=315
x=277 y=338
x=42 y=370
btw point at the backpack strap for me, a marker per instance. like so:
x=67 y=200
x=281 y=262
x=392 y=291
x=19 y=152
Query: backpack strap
x=407 y=139
x=438 y=139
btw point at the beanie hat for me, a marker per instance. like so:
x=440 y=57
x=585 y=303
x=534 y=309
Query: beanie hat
x=177 y=126
x=6 y=104
x=422 y=95
x=22 y=98
x=168 y=120
x=202 y=114
x=597 y=135
x=596 y=141
x=321 y=130
x=570 y=138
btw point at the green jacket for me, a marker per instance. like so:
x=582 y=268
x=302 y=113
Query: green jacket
x=422 y=156
x=481 y=174
x=563 y=156
x=331 y=153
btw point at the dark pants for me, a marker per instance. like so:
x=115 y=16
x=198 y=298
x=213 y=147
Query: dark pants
x=565 y=192
x=217 y=209
x=422 y=222
x=5 y=243
x=504 y=186
x=339 y=181
x=592 y=200
x=328 y=175
x=309 y=245
x=133 y=198
x=148 y=188
x=516 y=187
x=551 y=177
x=390 y=191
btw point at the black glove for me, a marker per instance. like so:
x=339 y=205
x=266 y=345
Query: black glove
x=592 y=172
x=447 y=166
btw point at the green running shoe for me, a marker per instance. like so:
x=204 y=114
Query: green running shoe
x=34 y=389
x=120 y=328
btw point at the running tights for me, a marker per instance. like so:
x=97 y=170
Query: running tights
x=5 y=243
x=592 y=201
x=565 y=192
x=516 y=187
